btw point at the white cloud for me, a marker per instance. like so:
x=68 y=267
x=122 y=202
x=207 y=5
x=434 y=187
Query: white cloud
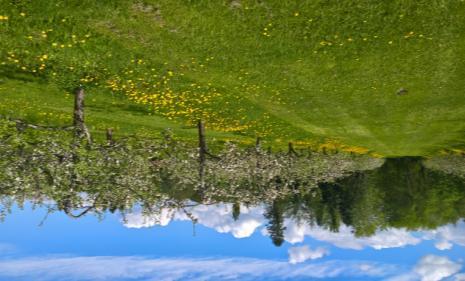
x=218 y=217
x=447 y=235
x=137 y=220
x=303 y=253
x=435 y=268
x=137 y=268
x=390 y=238
x=459 y=277
x=443 y=245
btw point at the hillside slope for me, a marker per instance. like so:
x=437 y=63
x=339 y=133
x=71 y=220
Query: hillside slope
x=313 y=71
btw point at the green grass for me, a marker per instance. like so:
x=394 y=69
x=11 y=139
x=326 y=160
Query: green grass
x=303 y=71
x=44 y=104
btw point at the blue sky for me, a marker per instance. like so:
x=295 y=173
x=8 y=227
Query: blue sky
x=162 y=247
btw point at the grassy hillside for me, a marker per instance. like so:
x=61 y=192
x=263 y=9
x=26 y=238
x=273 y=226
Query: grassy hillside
x=302 y=71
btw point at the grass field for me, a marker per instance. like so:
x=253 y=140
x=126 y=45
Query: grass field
x=302 y=71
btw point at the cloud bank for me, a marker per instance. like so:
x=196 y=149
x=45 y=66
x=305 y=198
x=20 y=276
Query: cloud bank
x=432 y=268
x=219 y=217
x=138 y=268
x=435 y=268
x=389 y=238
x=448 y=235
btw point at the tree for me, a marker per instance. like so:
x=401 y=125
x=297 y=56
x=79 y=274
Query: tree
x=275 y=226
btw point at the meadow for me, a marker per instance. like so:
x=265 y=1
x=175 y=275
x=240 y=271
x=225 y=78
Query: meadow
x=327 y=74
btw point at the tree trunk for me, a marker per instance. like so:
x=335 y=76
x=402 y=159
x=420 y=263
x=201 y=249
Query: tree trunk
x=110 y=136
x=202 y=152
x=291 y=150
x=78 y=118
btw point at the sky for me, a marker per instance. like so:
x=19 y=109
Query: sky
x=167 y=247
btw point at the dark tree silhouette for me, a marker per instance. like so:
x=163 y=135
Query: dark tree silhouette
x=236 y=211
x=275 y=216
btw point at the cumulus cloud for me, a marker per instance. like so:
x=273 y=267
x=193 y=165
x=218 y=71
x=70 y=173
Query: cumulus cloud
x=459 y=277
x=218 y=217
x=435 y=268
x=138 y=220
x=443 y=245
x=447 y=235
x=389 y=238
x=138 y=268
x=303 y=253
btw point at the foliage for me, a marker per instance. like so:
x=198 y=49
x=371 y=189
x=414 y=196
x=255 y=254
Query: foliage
x=54 y=170
x=41 y=166
x=449 y=164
